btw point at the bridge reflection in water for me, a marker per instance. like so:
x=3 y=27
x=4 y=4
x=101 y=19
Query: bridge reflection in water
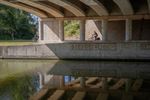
x=87 y=80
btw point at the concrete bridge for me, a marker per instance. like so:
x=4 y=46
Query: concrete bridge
x=123 y=27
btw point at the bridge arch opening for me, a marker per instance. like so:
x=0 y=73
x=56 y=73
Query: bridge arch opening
x=17 y=24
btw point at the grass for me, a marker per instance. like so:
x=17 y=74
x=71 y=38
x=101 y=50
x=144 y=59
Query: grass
x=15 y=43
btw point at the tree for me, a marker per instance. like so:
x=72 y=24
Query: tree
x=17 y=23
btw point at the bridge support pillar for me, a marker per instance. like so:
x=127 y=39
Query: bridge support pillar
x=82 y=30
x=61 y=30
x=82 y=82
x=128 y=30
x=41 y=31
x=104 y=29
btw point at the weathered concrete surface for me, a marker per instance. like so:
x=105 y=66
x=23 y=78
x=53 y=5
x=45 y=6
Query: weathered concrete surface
x=33 y=51
x=80 y=50
x=116 y=29
x=51 y=31
x=97 y=6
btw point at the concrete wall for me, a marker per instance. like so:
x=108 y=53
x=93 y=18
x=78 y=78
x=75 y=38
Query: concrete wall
x=81 y=50
x=33 y=51
x=92 y=26
x=141 y=29
x=116 y=29
x=51 y=31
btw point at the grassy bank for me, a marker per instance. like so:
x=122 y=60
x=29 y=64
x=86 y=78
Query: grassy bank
x=15 y=43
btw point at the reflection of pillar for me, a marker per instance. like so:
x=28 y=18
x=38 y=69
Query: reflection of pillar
x=82 y=82
x=82 y=30
x=62 y=82
x=69 y=78
x=41 y=80
x=128 y=31
x=104 y=83
x=61 y=30
x=104 y=29
x=128 y=85
x=41 y=30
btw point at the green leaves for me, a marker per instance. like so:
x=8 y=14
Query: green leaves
x=17 y=23
x=71 y=28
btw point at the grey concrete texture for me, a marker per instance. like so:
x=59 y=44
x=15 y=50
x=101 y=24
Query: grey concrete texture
x=80 y=50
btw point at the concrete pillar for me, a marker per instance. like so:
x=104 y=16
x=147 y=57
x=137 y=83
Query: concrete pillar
x=41 y=30
x=82 y=82
x=128 y=85
x=62 y=81
x=61 y=30
x=128 y=30
x=51 y=28
x=104 y=29
x=104 y=83
x=82 y=30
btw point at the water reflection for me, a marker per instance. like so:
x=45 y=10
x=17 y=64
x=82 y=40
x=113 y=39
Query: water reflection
x=17 y=88
x=117 y=69
x=19 y=79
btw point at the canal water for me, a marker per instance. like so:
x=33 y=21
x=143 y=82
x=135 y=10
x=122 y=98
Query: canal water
x=20 y=79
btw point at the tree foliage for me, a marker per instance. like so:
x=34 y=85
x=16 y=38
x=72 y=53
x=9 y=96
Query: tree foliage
x=71 y=28
x=16 y=24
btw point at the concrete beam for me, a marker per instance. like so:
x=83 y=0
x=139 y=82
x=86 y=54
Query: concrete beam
x=69 y=6
x=148 y=1
x=96 y=6
x=48 y=9
x=125 y=6
x=25 y=8
x=109 y=18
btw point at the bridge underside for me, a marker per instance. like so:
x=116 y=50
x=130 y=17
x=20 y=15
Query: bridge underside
x=83 y=8
x=113 y=20
x=120 y=24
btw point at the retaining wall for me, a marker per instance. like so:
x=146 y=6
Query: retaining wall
x=79 y=50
